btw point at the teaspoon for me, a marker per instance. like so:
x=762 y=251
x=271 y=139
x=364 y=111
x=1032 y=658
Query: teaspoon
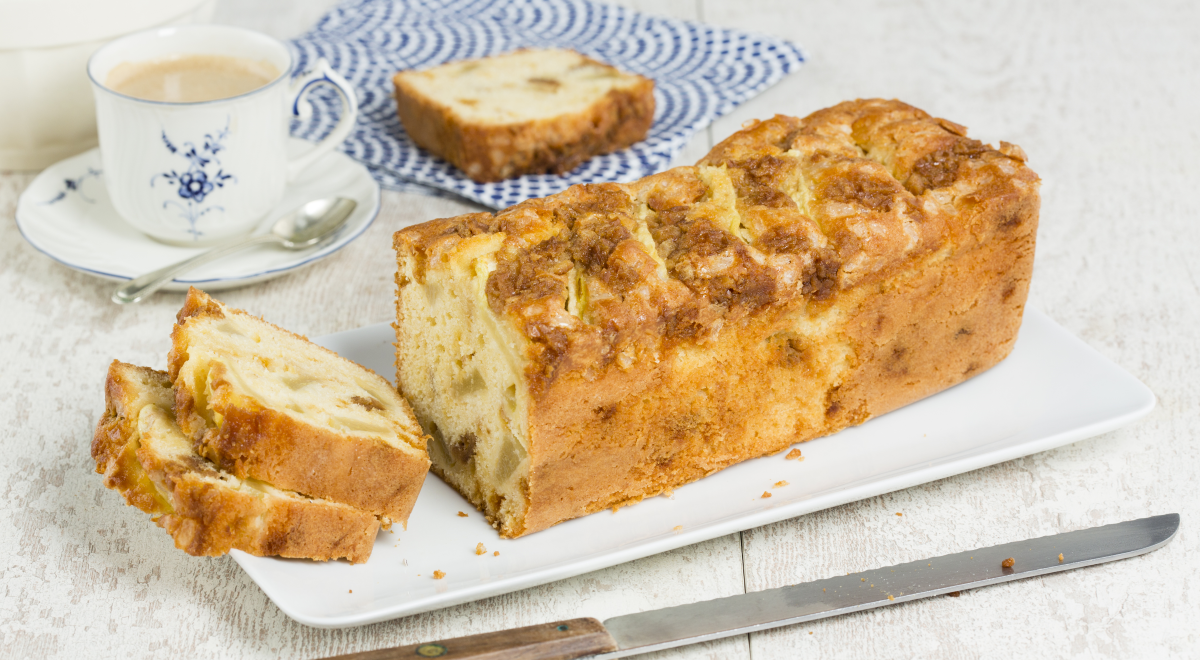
x=305 y=227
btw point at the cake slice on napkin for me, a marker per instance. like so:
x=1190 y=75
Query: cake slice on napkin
x=526 y=112
x=266 y=404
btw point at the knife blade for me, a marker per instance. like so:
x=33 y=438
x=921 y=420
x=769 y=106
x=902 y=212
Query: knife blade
x=656 y=630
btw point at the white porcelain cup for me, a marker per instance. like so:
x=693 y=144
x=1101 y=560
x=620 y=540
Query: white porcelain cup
x=199 y=173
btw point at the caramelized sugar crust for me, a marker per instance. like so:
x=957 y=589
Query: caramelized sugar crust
x=805 y=276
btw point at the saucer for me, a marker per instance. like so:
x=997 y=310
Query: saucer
x=66 y=215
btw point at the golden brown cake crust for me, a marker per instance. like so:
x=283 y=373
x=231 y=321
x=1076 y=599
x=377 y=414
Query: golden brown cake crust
x=556 y=145
x=807 y=275
x=269 y=445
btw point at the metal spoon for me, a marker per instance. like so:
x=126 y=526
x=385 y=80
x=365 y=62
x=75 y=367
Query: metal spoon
x=305 y=227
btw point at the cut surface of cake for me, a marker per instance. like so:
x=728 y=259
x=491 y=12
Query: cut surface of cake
x=613 y=342
x=266 y=404
x=208 y=512
x=529 y=111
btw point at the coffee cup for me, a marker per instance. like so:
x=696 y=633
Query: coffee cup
x=193 y=126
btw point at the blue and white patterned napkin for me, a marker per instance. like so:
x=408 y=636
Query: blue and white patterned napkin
x=700 y=73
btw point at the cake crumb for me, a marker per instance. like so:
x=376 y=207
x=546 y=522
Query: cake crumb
x=351 y=591
x=669 y=494
x=437 y=575
x=863 y=580
x=793 y=455
x=1060 y=558
x=899 y=514
x=954 y=594
x=765 y=495
x=890 y=597
x=461 y=514
x=1008 y=563
x=479 y=549
x=780 y=484
x=496 y=553
x=677 y=528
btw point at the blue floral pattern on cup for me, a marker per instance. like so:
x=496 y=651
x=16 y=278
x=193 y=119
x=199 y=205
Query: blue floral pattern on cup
x=197 y=181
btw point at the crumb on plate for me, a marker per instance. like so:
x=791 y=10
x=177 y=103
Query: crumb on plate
x=1008 y=563
x=437 y=575
x=479 y=549
x=793 y=455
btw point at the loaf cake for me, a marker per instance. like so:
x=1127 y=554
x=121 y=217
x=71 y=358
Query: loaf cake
x=143 y=455
x=526 y=112
x=613 y=342
x=263 y=403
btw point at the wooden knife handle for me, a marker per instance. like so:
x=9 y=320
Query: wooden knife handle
x=561 y=640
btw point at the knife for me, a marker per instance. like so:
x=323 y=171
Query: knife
x=669 y=627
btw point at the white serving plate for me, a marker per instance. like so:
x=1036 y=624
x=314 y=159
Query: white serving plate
x=1052 y=390
x=66 y=214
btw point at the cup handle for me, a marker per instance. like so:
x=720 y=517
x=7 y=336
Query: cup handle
x=302 y=108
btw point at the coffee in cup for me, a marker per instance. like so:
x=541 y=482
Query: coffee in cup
x=190 y=78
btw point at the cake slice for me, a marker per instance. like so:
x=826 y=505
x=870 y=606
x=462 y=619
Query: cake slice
x=266 y=404
x=144 y=456
x=525 y=112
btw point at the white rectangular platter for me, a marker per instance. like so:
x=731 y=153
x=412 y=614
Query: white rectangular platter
x=1052 y=390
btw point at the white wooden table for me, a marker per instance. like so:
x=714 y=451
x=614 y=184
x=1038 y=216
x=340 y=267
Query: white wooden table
x=1102 y=95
